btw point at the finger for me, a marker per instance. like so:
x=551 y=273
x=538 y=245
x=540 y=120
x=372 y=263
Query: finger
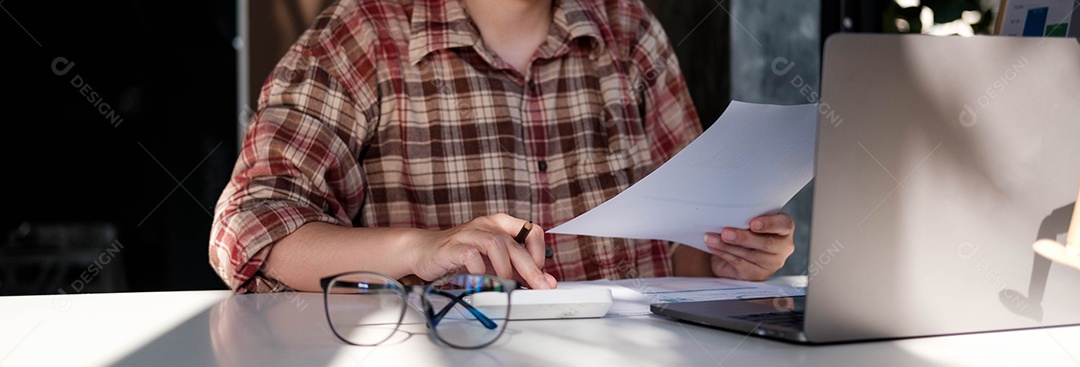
x=524 y=260
x=535 y=245
x=759 y=258
x=486 y=235
x=534 y=241
x=779 y=224
x=529 y=271
x=493 y=246
x=551 y=280
x=723 y=268
x=761 y=242
x=767 y=261
x=506 y=223
x=742 y=268
x=472 y=259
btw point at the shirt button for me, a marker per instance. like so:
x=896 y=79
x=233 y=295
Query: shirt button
x=549 y=252
x=542 y=165
x=532 y=84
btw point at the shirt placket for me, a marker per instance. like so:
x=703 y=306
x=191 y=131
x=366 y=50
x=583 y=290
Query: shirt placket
x=535 y=129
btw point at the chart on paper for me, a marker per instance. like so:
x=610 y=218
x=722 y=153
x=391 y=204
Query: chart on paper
x=1037 y=18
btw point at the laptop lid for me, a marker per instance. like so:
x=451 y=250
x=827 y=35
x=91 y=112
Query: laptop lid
x=940 y=160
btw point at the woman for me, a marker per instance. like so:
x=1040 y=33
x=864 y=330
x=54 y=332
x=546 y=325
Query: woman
x=417 y=138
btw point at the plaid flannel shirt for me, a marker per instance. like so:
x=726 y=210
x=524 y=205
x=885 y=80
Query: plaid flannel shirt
x=394 y=113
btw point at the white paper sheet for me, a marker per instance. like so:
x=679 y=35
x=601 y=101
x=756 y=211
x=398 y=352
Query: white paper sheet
x=750 y=162
x=632 y=297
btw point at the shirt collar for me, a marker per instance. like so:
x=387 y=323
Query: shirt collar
x=443 y=24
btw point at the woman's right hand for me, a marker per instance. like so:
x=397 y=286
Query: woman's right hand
x=482 y=246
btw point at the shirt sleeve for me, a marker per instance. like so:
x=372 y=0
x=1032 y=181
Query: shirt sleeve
x=670 y=119
x=298 y=164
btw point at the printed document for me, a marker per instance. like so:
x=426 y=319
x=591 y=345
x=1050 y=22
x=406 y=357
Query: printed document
x=749 y=163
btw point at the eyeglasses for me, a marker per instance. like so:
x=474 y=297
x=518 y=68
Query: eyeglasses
x=463 y=311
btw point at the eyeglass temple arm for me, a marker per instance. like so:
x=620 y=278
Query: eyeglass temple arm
x=325 y=282
x=488 y=323
x=434 y=317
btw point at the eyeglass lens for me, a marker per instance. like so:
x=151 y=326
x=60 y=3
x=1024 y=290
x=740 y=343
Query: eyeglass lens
x=364 y=308
x=463 y=311
x=467 y=311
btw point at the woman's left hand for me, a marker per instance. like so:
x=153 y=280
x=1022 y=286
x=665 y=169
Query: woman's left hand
x=755 y=253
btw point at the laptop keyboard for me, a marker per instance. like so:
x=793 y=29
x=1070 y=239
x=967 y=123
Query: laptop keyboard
x=791 y=319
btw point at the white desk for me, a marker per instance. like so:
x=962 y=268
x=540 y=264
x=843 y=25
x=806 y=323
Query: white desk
x=216 y=328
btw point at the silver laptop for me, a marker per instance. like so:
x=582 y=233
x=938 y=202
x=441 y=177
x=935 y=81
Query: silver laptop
x=940 y=160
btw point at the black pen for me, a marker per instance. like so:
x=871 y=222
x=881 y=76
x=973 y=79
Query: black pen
x=524 y=232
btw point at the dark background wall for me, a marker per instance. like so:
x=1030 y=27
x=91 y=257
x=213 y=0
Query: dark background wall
x=153 y=174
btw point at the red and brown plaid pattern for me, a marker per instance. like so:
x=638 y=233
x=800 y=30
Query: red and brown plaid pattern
x=394 y=113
